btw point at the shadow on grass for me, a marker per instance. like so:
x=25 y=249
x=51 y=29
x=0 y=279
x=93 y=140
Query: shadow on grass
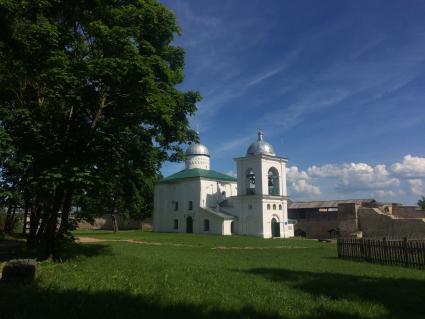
x=12 y=249
x=403 y=298
x=33 y=302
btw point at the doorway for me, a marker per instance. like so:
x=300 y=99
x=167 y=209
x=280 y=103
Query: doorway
x=189 y=225
x=275 y=228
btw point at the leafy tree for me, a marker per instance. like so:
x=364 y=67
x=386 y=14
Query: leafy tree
x=88 y=104
x=421 y=202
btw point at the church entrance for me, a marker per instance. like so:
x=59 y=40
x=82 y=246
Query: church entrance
x=275 y=228
x=189 y=225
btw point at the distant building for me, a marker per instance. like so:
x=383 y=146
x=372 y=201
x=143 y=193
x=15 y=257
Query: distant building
x=356 y=217
x=319 y=219
x=200 y=200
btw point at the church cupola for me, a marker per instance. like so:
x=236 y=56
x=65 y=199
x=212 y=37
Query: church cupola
x=197 y=156
x=260 y=171
x=261 y=147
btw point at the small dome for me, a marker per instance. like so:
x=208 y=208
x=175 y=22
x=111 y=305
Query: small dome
x=261 y=147
x=197 y=149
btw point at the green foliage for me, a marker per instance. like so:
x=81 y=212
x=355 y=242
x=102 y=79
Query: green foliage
x=88 y=103
x=421 y=202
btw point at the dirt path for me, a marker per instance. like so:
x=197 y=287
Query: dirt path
x=89 y=240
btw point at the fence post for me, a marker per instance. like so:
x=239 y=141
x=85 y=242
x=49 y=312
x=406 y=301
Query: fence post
x=362 y=250
x=405 y=252
x=385 y=249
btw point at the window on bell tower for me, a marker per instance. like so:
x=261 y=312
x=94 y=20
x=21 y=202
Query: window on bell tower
x=250 y=182
x=273 y=181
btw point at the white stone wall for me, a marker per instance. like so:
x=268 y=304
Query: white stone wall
x=202 y=193
x=166 y=194
x=197 y=161
x=211 y=192
x=216 y=223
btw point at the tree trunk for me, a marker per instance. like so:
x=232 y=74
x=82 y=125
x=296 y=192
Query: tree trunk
x=43 y=223
x=114 y=223
x=7 y=220
x=52 y=222
x=66 y=208
x=35 y=216
x=24 y=226
x=12 y=219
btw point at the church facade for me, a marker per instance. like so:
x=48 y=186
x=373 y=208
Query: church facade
x=200 y=200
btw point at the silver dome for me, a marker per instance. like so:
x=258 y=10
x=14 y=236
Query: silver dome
x=261 y=147
x=197 y=149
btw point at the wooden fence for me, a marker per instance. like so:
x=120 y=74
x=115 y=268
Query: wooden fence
x=403 y=252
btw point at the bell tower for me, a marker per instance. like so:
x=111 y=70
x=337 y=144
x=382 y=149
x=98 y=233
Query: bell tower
x=261 y=172
x=261 y=179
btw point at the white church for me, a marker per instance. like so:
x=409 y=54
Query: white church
x=200 y=200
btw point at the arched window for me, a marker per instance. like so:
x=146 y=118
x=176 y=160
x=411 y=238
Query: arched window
x=273 y=181
x=274 y=206
x=280 y=207
x=250 y=181
x=268 y=206
x=190 y=205
x=206 y=225
x=176 y=205
x=176 y=224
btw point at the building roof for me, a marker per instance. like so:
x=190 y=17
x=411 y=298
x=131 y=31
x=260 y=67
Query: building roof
x=220 y=214
x=261 y=147
x=197 y=149
x=198 y=172
x=328 y=203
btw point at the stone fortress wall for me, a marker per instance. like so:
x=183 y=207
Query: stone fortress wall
x=104 y=222
x=368 y=220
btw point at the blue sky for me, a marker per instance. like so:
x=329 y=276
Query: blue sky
x=338 y=87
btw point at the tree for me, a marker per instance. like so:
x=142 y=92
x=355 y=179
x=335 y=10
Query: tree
x=421 y=202
x=88 y=99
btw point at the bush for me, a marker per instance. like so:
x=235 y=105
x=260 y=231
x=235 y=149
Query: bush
x=17 y=223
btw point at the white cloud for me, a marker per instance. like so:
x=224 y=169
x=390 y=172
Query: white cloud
x=384 y=193
x=411 y=166
x=416 y=186
x=356 y=176
x=303 y=186
x=299 y=181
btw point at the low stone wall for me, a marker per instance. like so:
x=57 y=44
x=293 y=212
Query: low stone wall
x=354 y=220
x=374 y=223
x=316 y=228
x=347 y=219
x=105 y=223
x=408 y=212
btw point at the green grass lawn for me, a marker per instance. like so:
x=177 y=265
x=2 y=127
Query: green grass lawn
x=197 y=276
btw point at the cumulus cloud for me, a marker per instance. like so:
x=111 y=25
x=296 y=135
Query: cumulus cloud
x=356 y=176
x=416 y=186
x=299 y=181
x=303 y=186
x=411 y=166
